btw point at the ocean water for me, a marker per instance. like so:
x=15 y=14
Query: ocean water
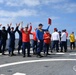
x=16 y=43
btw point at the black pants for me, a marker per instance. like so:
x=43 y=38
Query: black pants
x=55 y=44
x=63 y=45
x=19 y=45
x=34 y=45
x=39 y=47
x=24 y=46
x=11 y=46
x=72 y=44
x=2 y=45
x=46 y=47
x=66 y=43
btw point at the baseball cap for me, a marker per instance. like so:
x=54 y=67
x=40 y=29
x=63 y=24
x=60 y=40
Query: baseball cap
x=40 y=24
x=55 y=29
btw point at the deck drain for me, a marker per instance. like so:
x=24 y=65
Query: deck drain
x=9 y=70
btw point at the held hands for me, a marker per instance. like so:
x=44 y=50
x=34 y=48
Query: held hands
x=9 y=24
x=17 y=24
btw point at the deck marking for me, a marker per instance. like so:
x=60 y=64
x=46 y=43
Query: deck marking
x=33 y=61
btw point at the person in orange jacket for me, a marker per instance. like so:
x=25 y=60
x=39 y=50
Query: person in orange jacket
x=47 y=40
x=26 y=40
x=34 y=42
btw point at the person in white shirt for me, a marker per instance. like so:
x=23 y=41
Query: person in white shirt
x=55 y=39
x=66 y=38
x=63 y=41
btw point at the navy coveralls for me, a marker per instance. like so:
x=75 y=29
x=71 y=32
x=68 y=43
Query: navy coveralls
x=20 y=41
x=11 y=40
x=39 y=35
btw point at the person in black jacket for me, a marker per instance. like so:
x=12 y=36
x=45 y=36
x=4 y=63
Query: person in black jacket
x=3 y=39
x=0 y=39
x=11 y=32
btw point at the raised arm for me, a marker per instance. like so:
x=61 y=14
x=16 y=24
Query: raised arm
x=30 y=28
x=8 y=29
x=17 y=28
x=46 y=29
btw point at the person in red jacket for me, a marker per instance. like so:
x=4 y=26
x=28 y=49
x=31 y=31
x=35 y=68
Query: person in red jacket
x=34 y=42
x=26 y=40
x=47 y=40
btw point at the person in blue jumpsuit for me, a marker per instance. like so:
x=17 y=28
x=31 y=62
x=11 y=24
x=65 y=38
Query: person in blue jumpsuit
x=20 y=40
x=39 y=34
x=11 y=32
x=3 y=38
